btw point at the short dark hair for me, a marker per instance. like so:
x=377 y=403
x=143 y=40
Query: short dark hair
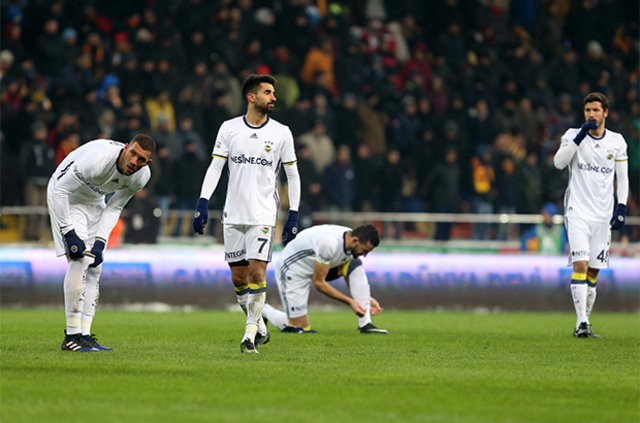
x=146 y=142
x=253 y=81
x=367 y=233
x=599 y=97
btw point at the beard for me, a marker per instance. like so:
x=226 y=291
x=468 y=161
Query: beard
x=264 y=108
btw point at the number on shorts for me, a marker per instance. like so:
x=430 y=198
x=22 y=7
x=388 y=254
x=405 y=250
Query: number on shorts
x=263 y=243
x=603 y=256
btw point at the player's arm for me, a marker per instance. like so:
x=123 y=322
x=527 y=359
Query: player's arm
x=289 y=162
x=209 y=185
x=112 y=211
x=67 y=183
x=212 y=176
x=622 y=192
x=566 y=151
x=320 y=271
x=622 y=180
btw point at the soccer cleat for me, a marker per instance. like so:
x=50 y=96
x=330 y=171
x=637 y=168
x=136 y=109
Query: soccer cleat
x=76 y=343
x=370 y=328
x=248 y=347
x=584 y=331
x=292 y=329
x=93 y=341
x=262 y=339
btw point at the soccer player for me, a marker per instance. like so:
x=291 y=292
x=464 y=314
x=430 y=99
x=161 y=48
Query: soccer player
x=320 y=254
x=595 y=155
x=253 y=146
x=82 y=219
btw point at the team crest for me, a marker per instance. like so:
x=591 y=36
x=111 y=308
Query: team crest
x=265 y=230
x=268 y=146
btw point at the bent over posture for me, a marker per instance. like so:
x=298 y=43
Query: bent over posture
x=253 y=146
x=595 y=155
x=82 y=219
x=317 y=256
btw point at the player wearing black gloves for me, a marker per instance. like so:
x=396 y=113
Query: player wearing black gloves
x=253 y=147
x=595 y=156
x=81 y=218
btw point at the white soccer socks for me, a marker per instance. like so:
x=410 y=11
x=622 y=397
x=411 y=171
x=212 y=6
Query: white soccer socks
x=92 y=293
x=579 y=293
x=74 y=293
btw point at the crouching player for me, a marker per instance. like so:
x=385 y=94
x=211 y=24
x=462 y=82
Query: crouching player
x=318 y=255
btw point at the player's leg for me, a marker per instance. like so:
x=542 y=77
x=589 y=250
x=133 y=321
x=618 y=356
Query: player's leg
x=599 y=259
x=277 y=317
x=235 y=255
x=294 y=290
x=74 y=283
x=259 y=246
x=578 y=232
x=92 y=294
x=360 y=290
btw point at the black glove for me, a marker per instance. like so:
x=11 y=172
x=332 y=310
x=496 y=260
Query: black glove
x=619 y=214
x=74 y=245
x=96 y=252
x=290 y=227
x=201 y=216
x=584 y=130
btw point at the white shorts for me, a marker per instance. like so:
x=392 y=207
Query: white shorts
x=588 y=241
x=244 y=242
x=294 y=291
x=85 y=219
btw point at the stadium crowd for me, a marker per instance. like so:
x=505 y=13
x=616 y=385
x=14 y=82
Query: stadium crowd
x=395 y=106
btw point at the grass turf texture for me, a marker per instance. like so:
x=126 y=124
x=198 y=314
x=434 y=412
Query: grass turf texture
x=433 y=367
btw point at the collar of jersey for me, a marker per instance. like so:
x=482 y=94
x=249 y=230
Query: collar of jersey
x=599 y=138
x=244 y=119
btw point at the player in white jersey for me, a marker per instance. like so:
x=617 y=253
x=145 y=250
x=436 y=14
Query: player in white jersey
x=320 y=254
x=253 y=146
x=595 y=155
x=81 y=221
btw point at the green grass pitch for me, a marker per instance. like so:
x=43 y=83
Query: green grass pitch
x=433 y=367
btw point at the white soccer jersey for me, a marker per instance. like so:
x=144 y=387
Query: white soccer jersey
x=254 y=156
x=86 y=176
x=323 y=243
x=589 y=194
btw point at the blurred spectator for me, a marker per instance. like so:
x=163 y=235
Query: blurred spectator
x=160 y=110
x=390 y=184
x=484 y=192
x=506 y=193
x=187 y=173
x=546 y=238
x=69 y=142
x=339 y=185
x=529 y=179
x=346 y=122
x=441 y=190
x=37 y=162
x=311 y=196
x=319 y=61
x=320 y=145
x=372 y=122
x=366 y=173
x=143 y=218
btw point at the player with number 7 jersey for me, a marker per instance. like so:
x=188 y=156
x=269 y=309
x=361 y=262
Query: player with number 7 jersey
x=254 y=147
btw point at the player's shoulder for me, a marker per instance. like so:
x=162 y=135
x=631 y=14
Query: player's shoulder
x=570 y=133
x=614 y=136
x=97 y=150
